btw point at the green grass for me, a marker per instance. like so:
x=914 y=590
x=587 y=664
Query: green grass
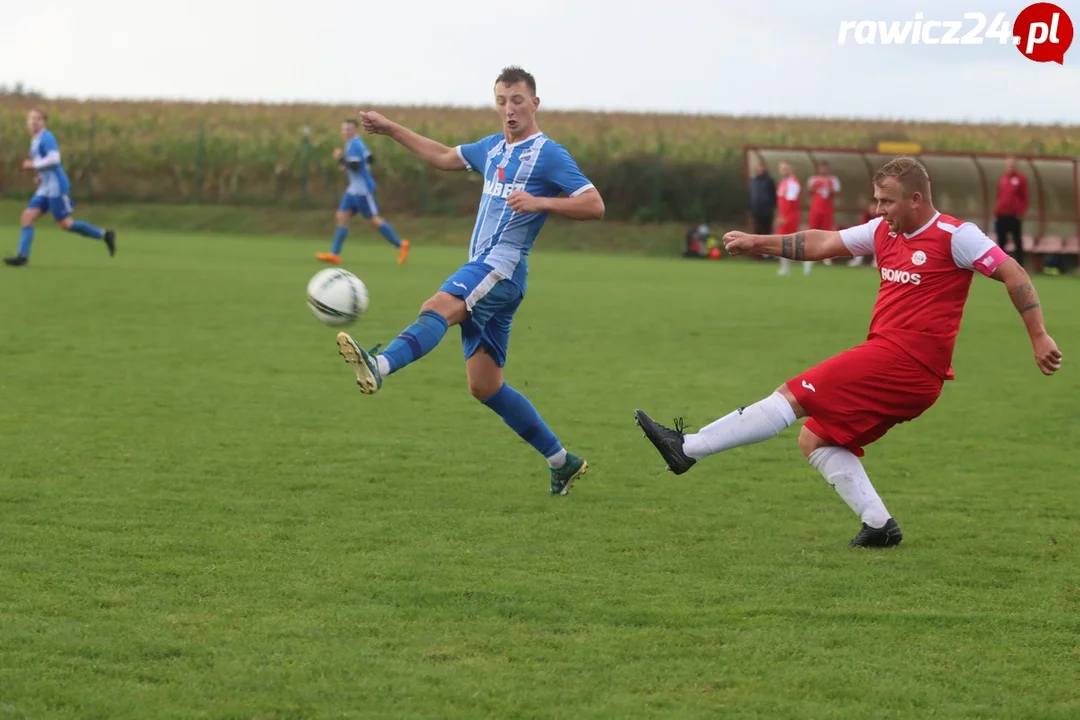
x=202 y=517
x=638 y=238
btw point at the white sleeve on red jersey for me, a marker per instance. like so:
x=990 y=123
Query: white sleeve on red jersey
x=791 y=191
x=973 y=250
x=860 y=238
x=835 y=184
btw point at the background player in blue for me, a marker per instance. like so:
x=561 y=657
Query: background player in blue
x=53 y=193
x=359 y=197
x=524 y=173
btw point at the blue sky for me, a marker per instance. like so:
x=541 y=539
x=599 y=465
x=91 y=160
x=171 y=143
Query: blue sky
x=780 y=57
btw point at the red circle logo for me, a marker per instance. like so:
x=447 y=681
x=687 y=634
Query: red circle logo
x=1043 y=32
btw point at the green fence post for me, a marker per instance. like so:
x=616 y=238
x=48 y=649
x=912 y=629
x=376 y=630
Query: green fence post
x=422 y=188
x=658 y=177
x=200 y=160
x=305 y=154
x=90 y=163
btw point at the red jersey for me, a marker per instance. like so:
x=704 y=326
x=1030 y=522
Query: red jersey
x=822 y=189
x=1012 y=195
x=925 y=278
x=787 y=199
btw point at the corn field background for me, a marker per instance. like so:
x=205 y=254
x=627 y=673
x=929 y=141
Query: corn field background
x=649 y=167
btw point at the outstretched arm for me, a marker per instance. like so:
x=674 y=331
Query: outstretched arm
x=1026 y=301
x=432 y=152
x=803 y=245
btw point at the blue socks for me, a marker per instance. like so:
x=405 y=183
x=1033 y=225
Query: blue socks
x=87 y=230
x=517 y=412
x=339 y=240
x=388 y=233
x=26 y=239
x=385 y=230
x=415 y=341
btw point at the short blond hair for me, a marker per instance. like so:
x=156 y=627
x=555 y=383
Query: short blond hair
x=909 y=172
x=40 y=111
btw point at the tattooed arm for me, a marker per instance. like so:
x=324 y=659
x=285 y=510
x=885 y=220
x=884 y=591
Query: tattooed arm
x=1026 y=301
x=804 y=245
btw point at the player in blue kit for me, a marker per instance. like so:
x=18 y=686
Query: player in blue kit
x=53 y=193
x=524 y=174
x=359 y=197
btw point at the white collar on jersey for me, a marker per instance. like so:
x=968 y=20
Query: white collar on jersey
x=511 y=146
x=924 y=227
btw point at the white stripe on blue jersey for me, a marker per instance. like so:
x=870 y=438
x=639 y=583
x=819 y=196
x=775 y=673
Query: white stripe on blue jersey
x=538 y=165
x=360 y=181
x=45 y=152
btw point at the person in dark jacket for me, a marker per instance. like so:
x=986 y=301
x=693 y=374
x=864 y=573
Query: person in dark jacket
x=762 y=200
x=1012 y=204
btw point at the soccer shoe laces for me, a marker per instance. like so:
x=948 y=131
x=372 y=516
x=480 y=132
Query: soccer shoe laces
x=375 y=349
x=679 y=426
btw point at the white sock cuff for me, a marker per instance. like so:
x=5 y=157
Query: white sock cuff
x=819 y=457
x=778 y=410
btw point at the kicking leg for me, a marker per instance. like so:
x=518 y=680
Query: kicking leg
x=845 y=473
x=756 y=423
x=437 y=315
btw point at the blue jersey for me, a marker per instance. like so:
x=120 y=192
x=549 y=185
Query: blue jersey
x=538 y=165
x=360 y=181
x=45 y=152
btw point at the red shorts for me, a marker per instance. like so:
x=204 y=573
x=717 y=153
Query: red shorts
x=788 y=227
x=854 y=398
x=821 y=219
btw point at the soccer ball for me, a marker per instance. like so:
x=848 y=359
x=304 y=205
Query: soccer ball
x=337 y=297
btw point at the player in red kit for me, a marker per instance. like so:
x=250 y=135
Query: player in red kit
x=789 y=211
x=823 y=188
x=927 y=261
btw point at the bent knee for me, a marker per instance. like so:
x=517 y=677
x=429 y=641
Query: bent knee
x=809 y=442
x=451 y=307
x=66 y=223
x=483 y=388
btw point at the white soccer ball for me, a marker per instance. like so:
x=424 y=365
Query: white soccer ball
x=337 y=297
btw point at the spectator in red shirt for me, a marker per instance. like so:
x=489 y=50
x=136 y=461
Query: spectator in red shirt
x=1012 y=204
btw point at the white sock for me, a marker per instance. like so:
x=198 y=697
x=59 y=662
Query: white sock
x=384 y=365
x=763 y=420
x=785 y=263
x=557 y=460
x=845 y=473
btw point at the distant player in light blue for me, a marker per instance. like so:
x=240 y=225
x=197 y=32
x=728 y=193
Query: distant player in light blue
x=359 y=197
x=53 y=193
x=524 y=174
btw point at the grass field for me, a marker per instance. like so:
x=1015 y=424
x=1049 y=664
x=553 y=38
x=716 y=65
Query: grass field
x=202 y=518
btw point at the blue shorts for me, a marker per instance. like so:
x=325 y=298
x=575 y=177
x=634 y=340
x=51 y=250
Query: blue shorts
x=60 y=207
x=492 y=301
x=363 y=204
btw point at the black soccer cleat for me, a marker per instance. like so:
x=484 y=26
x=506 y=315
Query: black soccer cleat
x=668 y=442
x=16 y=261
x=110 y=241
x=886 y=536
